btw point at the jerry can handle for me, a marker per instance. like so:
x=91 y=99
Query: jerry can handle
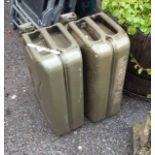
x=36 y=48
x=47 y=33
x=73 y=26
x=66 y=33
x=109 y=21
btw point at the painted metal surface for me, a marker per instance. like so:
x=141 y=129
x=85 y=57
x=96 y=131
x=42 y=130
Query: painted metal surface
x=97 y=58
x=120 y=43
x=55 y=63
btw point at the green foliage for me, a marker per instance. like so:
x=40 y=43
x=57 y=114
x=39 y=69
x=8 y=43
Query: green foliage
x=140 y=70
x=138 y=67
x=135 y=13
x=149 y=72
x=149 y=96
x=132 y=30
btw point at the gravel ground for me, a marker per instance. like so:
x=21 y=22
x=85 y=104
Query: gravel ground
x=26 y=129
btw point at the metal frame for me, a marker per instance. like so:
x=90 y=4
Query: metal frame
x=23 y=13
x=72 y=4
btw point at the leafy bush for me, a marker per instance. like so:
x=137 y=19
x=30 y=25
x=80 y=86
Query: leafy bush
x=134 y=13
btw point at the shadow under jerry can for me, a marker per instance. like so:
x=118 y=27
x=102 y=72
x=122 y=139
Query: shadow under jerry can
x=55 y=63
x=120 y=43
x=97 y=58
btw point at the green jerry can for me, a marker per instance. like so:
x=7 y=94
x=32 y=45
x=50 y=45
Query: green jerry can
x=120 y=43
x=97 y=58
x=55 y=63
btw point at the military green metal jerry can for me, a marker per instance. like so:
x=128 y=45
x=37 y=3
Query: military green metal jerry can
x=120 y=43
x=97 y=58
x=55 y=63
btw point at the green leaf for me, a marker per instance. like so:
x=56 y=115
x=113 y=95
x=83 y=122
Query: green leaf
x=147 y=21
x=136 y=20
x=149 y=96
x=141 y=7
x=132 y=30
x=147 y=32
x=147 y=5
x=121 y=21
x=133 y=60
x=145 y=29
x=129 y=18
x=149 y=71
x=136 y=66
x=114 y=3
x=140 y=71
x=115 y=13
